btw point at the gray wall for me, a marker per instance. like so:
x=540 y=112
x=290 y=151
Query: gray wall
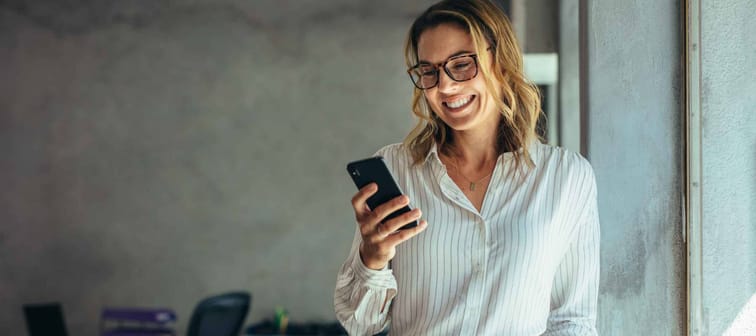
x=542 y=24
x=634 y=144
x=728 y=46
x=154 y=153
x=158 y=152
x=569 y=74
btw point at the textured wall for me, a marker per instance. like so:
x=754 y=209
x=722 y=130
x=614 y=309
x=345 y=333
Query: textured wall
x=569 y=75
x=728 y=47
x=634 y=143
x=155 y=152
x=542 y=24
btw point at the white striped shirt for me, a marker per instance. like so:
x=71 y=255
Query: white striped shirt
x=526 y=264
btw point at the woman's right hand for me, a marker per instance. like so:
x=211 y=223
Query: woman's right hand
x=379 y=240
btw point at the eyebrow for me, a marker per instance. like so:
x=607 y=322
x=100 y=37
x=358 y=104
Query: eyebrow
x=461 y=52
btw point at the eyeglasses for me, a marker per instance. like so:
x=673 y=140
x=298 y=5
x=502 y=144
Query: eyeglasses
x=460 y=68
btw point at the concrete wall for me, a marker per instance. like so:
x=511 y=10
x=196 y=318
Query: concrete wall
x=728 y=46
x=154 y=153
x=634 y=143
x=542 y=24
x=569 y=75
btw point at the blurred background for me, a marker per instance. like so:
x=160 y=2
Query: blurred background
x=154 y=153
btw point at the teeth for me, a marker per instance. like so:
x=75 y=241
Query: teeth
x=459 y=102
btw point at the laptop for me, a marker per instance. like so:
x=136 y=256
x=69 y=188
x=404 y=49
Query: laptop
x=45 y=320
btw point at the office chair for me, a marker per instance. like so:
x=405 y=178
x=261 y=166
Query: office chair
x=45 y=319
x=220 y=315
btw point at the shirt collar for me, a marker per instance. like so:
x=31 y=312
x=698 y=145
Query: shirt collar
x=432 y=153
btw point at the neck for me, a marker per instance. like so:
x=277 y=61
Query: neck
x=475 y=148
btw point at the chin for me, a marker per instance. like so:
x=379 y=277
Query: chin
x=462 y=123
x=459 y=126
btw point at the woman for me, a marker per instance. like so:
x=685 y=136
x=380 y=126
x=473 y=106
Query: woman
x=508 y=242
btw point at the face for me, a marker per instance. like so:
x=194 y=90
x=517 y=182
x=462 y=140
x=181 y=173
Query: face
x=464 y=106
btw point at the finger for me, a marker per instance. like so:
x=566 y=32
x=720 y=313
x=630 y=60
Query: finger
x=360 y=198
x=400 y=221
x=374 y=233
x=389 y=207
x=401 y=236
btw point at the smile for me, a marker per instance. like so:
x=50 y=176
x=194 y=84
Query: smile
x=459 y=103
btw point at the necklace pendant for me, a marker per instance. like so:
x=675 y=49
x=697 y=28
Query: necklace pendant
x=472 y=186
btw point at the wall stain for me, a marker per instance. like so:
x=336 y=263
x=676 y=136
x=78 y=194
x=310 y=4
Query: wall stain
x=623 y=280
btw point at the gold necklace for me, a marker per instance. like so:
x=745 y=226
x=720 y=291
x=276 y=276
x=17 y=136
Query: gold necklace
x=472 y=184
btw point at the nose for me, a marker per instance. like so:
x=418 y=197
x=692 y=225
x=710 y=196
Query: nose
x=445 y=83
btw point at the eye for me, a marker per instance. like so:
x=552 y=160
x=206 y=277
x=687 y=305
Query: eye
x=461 y=65
x=426 y=71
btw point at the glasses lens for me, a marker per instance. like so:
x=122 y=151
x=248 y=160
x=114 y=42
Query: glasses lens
x=424 y=76
x=462 y=68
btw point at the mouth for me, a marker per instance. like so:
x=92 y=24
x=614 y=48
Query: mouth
x=459 y=103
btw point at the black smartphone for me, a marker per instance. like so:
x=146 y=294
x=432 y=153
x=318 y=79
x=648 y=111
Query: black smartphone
x=364 y=172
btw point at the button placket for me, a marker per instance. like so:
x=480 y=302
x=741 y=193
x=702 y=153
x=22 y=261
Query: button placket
x=477 y=281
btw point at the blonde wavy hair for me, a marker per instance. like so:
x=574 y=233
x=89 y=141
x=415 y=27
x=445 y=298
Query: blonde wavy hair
x=518 y=99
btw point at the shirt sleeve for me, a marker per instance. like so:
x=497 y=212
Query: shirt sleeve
x=575 y=289
x=363 y=296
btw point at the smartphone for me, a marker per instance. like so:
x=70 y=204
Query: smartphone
x=364 y=172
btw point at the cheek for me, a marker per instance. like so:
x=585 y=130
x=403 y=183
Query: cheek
x=427 y=95
x=485 y=93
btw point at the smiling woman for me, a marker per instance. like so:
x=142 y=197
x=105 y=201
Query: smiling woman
x=509 y=238
x=447 y=32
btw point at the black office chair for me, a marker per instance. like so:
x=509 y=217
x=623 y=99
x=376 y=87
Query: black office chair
x=221 y=315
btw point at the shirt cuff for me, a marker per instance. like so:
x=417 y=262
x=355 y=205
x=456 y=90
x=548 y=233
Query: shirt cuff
x=376 y=279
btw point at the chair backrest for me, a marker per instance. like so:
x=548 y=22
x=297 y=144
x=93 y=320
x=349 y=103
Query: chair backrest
x=45 y=320
x=220 y=315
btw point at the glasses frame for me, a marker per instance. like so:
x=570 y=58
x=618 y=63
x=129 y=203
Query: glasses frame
x=446 y=70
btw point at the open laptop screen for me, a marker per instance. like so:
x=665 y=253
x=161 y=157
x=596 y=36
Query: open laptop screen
x=45 y=320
